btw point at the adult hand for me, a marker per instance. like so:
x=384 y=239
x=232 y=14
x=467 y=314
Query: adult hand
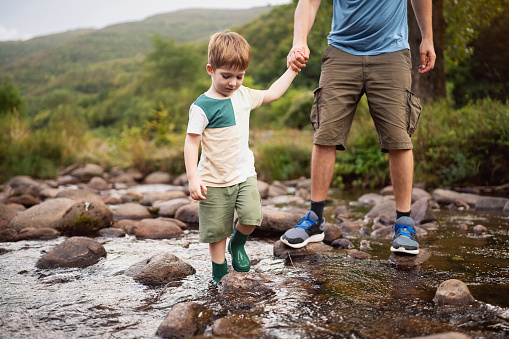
x=297 y=58
x=428 y=56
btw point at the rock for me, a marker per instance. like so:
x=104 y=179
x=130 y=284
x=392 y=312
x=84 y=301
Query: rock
x=364 y=245
x=188 y=214
x=6 y=215
x=422 y=211
x=99 y=184
x=49 y=193
x=429 y=226
x=286 y=200
x=157 y=178
x=453 y=292
x=169 y=208
x=402 y=260
x=238 y=325
x=480 y=230
x=490 y=204
x=181 y=180
x=67 y=180
x=73 y=252
x=48 y=214
x=130 y=226
x=157 y=229
x=309 y=251
x=332 y=232
x=348 y=226
x=132 y=211
x=112 y=232
x=80 y=195
x=462 y=227
x=385 y=211
x=342 y=244
x=84 y=174
x=370 y=198
x=446 y=335
x=419 y=193
x=446 y=197
x=23 y=181
x=26 y=200
x=342 y=212
x=303 y=193
x=277 y=188
x=86 y=217
x=263 y=188
x=388 y=232
x=8 y=235
x=365 y=231
x=185 y=320
x=356 y=254
x=149 y=198
x=506 y=208
x=160 y=269
x=387 y=190
x=276 y=221
x=111 y=200
x=37 y=234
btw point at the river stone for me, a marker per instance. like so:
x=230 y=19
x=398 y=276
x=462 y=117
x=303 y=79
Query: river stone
x=132 y=211
x=385 y=210
x=277 y=188
x=263 y=189
x=348 y=226
x=403 y=260
x=453 y=292
x=370 y=198
x=130 y=226
x=332 y=232
x=342 y=212
x=48 y=214
x=160 y=269
x=446 y=335
x=26 y=200
x=276 y=221
x=181 y=180
x=23 y=180
x=149 y=198
x=79 y=195
x=490 y=204
x=311 y=250
x=480 y=230
x=73 y=252
x=86 y=173
x=86 y=217
x=49 y=193
x=6 y=215
x=184 y=320
x=387 y=232
x=8 y=235
x=342 y=244
x=157 y=229
x=99 y=184
x=37 y=234
x=506 y=208
x=157 y=178
x=188 y=214
x=112 y=200
x=446 y=197
x=356 y=254
x=67 y=180
x=238 y=325
x=169 y=208
x=422 y=211
x=112 y=232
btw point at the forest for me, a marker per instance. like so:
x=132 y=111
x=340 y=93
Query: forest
x=120 y=97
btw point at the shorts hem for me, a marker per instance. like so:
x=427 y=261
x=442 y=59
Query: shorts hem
x=397 y=146
x=257 y=223
x=210 y=240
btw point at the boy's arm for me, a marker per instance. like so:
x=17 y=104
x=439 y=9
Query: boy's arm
x=191 y=147
x=279 y=87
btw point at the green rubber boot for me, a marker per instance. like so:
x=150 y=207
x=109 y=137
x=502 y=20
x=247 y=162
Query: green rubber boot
x=219 y=271
x=240 y=260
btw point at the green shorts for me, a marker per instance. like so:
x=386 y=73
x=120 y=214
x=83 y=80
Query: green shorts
x=217 y=210
x=385 y=79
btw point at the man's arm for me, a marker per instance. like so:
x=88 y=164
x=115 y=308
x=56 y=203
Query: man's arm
x=191 y=147
x=305 y=15
x=279 y=87
x=423 y=10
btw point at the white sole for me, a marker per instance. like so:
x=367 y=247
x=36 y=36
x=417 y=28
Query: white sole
x=313 y=238
x=403 y=250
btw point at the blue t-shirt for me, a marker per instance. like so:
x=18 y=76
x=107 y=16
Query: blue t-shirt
x=369 y=27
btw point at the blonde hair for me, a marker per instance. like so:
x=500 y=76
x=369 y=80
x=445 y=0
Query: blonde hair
x=229 y=49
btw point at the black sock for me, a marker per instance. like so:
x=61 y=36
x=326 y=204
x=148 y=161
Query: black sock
x=317 y=207
x=402 y=214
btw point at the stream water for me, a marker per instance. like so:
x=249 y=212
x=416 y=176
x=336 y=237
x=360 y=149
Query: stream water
x=354 y=299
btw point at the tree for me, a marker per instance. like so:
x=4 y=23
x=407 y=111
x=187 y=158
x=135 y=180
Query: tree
x=10 y=100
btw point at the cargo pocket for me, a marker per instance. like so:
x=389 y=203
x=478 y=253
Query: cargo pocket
x=315 y=110
x=414 y=110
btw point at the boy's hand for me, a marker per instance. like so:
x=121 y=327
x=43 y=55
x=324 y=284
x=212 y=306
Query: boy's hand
x=297 y=58
x=195 y=189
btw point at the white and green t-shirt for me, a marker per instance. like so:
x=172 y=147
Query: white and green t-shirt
x=224 y=128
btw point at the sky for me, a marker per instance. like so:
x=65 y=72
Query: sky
x=25 y=19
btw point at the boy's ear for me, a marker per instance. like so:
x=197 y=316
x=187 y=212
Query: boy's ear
x=210 y=71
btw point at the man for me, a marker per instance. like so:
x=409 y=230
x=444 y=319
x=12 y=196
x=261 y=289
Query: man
x=368 y=53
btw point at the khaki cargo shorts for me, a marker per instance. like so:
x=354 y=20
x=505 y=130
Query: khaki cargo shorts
x=386 y=81
x=217 y=211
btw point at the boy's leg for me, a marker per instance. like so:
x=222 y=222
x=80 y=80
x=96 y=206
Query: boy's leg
x=240 y=259
x=219 y=264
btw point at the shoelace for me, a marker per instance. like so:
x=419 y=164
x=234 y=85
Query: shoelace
x=306 y=223
x=402 y=230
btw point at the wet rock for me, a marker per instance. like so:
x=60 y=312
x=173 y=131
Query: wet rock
x=342 y=212
x=26 y=200
x=459 y=205
x=403 y=260
x=506 y=208
x=129 y=226
x=86 y=217
x=303 y=193
x=419 y=193
x=356 y=254
x=73 y=252
x=453 y=292
x=388 y=232
x=384 y=211
x=310 y=250
x=157 y=178
x=238 y=325
x=6 y=215
x=365 y=231
x=157 y=229
x=111 y=200
x=132 y=211
x=286 y=200
x=446 y=197
x=348 y=226
x=99 y=184
x=429 y=226
x=480 y=230
x=276 y=221
x=185 y=320
x=422 y=211
x=364 y=245
x=446 y=335
x=181 y=180
x=277 y=188
x=169 y=208
x=8 y=235
x=370 y=198
x=342 y=244
x=263 y=188
x=84 y=174
x=332 y=232
x=490 y=204
x=462 y=227
x=188 y=214
x=37 y=234
x=67 y=180
x=48 y=214
x=149 y=198
x=160 y=269
x=112 y=232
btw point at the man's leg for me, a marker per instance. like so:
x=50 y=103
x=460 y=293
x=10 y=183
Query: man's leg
x=322 y=168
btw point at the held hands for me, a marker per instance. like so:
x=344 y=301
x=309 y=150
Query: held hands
x=297 y=58
x=195 y=189
x=428 y=56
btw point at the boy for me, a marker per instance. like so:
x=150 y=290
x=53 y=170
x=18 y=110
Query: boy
x=225 y=179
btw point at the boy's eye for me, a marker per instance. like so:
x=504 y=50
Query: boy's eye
x=240 y=77
x=226 y=76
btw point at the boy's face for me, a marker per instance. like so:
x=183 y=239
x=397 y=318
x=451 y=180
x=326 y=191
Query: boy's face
x=225 y=81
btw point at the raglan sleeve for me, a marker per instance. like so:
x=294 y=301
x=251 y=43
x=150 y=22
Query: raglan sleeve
x=197 y=120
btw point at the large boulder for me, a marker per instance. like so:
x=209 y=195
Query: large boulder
x=87 y=172
x=86 y=217
x=185 y=320
x=422 y=211
x=6 y=215
x=79 y=195
x=169 y=208
x=491 y=204
x=160 y=269
x=132 y=211
x=37 y=234
x=157 y=229
x=384 y=211
x=157 y=178
x=73 y=252
x=446 y=197
x=22 y=185
x=188 y=214
x=48 y=214
x=277 y=222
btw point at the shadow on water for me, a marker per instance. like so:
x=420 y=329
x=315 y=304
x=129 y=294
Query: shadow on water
x=351 y=298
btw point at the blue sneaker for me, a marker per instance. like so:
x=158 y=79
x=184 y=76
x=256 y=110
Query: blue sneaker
x=405 y=239
x=306 y=231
